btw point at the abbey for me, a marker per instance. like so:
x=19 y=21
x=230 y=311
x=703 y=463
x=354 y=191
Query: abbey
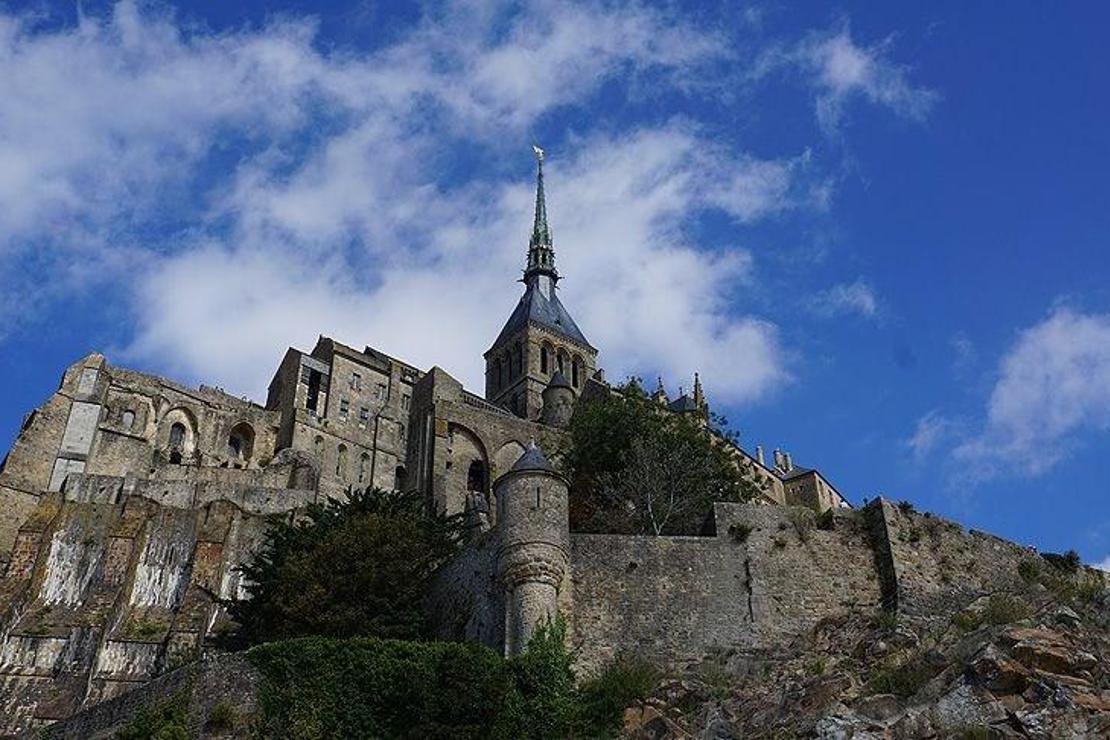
x=128 y=500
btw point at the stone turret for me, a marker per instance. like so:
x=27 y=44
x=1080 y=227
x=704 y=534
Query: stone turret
x=534 y=534
x=558 y=401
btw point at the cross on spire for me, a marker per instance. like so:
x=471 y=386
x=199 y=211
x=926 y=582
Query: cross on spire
x=541 y=252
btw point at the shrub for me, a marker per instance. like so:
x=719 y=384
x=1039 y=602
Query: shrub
x=165 y=720
x=1029 y=570
x=603 y=699
x=902 y=680
x=357 y=567
x=1004 y=608
x=739 y=532
x=222 y=718
x=906 y=507
x=314 y=688
x=366 y=687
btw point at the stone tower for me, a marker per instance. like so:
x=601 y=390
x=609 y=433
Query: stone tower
x=534 y=543
x=540 y=337
x=558 y=401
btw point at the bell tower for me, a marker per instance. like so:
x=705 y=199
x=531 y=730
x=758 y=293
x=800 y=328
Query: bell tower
x=540 y=338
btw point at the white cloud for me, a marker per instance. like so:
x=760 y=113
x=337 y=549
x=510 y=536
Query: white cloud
x=652 y=301
x=304 y=187
x=933 y=431
x=841 y=70
x=1103 y=564
x=1053 y=386
x=847 y=298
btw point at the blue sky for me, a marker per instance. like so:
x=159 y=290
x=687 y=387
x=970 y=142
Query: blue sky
x=878 y=231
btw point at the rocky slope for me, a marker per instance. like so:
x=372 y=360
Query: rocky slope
x=1029 y=663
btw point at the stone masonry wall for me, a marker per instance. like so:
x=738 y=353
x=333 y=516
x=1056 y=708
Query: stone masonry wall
x=767 y=575
x=99 y=598
x=935 y=566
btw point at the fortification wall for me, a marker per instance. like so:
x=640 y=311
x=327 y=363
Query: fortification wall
x=770 y=573
x=228 y=680
x=935 y=566
x=100 y=597
x=466 y=601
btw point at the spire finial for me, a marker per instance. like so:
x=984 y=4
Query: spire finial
x=541 y=254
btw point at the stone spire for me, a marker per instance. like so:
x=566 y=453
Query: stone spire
x=541 y=253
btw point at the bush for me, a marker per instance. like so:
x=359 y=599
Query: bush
x=162 y=721
x=357 y=567
x=739 y=532
x=604 y=699
x=903 y=680
x=1004 y=608
x=1029 y=570
x=365 y=687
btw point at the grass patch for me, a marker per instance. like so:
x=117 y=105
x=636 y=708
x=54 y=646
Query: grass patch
x=739 y=532
x=165 y=720
x=903 y=680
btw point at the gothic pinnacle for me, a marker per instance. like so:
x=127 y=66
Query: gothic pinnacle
x=541 y=254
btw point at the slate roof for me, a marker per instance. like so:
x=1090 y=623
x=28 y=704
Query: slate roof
x=550 y=314
x=532 y=459
x=683 y=403
x=796 y=472
x=558 y=380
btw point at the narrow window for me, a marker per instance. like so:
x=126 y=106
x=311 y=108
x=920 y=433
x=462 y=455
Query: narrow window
x=399 y=477
x=344 y=408
x=364 y=414
x=127 y=421
x=356 y=382
x=312 y=398
x=381 y=392
x=543 y=360
x=574 y=372
x=341 y=461
x=559 y=362
x=363 y=467
x=406 y=400
x=177 y=442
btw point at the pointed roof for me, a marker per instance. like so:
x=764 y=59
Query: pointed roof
x=558 y=380
x=549 y=313
x=532 y=459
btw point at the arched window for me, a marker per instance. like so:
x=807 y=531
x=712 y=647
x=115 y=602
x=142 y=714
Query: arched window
x=177 y=442
x=363 y=467
x=543 y=359
x=476 y=476
x=559 y=362
x=341 y=461
x=240 y=443
x=574 y=372
x=127 y=420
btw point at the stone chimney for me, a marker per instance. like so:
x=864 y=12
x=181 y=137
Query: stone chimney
x=759 y=454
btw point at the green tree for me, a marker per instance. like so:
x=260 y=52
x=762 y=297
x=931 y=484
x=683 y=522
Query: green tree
x=354 y=567
x=639 y=469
